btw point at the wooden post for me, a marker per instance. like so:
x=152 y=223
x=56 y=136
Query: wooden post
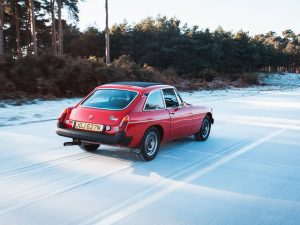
x=107 y=46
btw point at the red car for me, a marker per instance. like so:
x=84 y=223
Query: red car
x=138 y=115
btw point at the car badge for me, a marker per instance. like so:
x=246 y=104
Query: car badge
x=90 y=117
x=113 y=118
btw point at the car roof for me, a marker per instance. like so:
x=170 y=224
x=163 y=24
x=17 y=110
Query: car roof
x=142 y=87
x=137 y=84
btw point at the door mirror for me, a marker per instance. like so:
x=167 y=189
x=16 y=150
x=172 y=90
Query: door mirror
x=185 y=104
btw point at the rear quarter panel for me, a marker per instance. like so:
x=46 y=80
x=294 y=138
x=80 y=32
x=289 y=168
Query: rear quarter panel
x=141 y=121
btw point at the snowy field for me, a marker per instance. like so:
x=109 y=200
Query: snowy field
x=247 y=172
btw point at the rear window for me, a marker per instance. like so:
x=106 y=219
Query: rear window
x=111 y=99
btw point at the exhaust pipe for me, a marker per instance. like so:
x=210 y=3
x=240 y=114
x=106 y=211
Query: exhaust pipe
x=72 y=143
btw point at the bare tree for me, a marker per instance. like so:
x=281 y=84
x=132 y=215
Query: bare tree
x=1 y=28
x=60 y=28
x=32 y=26
x=107 y=47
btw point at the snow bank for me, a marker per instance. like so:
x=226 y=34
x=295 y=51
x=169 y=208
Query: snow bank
x=282 y=80
x=36 y=112
x=270 y=82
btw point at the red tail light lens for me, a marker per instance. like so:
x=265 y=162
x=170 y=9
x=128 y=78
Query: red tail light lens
x=124 y=123
x=64 y=115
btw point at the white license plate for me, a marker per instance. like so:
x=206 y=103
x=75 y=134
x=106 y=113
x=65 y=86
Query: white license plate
x=88 y=126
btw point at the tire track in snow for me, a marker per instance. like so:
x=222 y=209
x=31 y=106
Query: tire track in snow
x=31 y=167
x=49 y=164
x=109 y=162
x=131 y=206
x=175 y=175
x=41 y=197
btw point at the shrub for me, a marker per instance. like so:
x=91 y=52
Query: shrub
x=250 y=78
x=63 y=76
x=48 y=76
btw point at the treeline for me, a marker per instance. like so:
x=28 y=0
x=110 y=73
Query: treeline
x=165 y=43
x=46 y=55
x=161 y=42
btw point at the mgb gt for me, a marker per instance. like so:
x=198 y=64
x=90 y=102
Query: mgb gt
x=137 y=115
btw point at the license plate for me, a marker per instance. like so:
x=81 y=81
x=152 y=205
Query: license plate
x=88 y=126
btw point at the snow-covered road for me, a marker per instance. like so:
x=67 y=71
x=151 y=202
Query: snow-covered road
x=246 y=173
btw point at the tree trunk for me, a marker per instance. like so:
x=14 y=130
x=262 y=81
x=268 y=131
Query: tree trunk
x=60 y=29
x=1 y=29
x=32 y=27
x=17 y=27
x=28 y=34
x=107 y=46
x=53 y=35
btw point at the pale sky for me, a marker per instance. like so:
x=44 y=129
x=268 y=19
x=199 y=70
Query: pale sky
x=255 y=16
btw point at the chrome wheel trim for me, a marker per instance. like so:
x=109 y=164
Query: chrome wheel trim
x=151 y=143
x=205 y=128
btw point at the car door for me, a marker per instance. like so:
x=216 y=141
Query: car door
x=180 y=114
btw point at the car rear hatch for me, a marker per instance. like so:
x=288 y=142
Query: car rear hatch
x=105 y=107
x=97 y=116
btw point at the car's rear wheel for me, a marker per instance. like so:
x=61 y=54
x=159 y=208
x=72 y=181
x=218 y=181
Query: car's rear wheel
x=149 y=145
x=204 y=131
x=89 y=147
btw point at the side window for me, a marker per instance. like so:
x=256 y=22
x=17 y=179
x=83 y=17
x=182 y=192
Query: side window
x=170 y=98
x=180 y=101
x=154 y=101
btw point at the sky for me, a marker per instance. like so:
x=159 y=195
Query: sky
x=255 y=16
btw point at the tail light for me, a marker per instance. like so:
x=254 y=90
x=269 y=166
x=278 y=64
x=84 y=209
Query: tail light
x=124 y=123
x=64 y=115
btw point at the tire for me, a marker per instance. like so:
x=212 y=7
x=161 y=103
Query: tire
x=89 y=147
x=204 y=131
x=149 y=145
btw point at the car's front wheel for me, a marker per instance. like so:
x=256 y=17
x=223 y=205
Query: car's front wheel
x=150 y=144
x=89 y=147
x=204 y=131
